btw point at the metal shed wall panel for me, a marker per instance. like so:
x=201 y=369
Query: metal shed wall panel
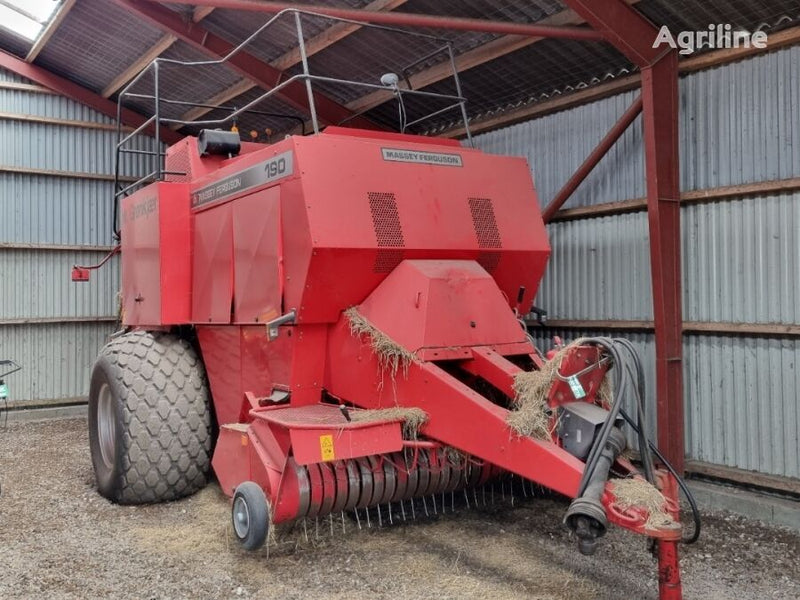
x=740 y=394
x=36 y=284
x=60 y=148
x=741 y=260
x=741 y=402
x=46 y=105
x=599 y=269
x=37 y=209
x=56 y=358
x=53 y=210
x=738 y=124
x=741 y=257
x=12 y=77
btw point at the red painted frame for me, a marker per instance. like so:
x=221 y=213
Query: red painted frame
x=394 y=18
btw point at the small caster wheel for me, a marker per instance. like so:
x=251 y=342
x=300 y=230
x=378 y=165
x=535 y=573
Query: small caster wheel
x=250 y=515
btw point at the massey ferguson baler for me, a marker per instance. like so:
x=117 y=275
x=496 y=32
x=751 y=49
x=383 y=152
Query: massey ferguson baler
x=333 y=324
x=343 y=309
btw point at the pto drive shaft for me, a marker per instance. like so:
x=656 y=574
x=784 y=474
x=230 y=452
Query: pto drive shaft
x=586 y=515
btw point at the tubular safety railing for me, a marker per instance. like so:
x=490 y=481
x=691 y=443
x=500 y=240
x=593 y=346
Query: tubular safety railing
x=157 y=171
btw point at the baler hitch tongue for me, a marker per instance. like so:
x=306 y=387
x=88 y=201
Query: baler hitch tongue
x=586 y=516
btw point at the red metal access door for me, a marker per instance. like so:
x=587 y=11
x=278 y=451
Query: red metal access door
x=237 y=262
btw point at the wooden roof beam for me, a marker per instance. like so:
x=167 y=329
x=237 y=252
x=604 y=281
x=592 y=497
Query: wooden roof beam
x=156 y=50
x=242 y=61
x=49 y=30
x=473 y=58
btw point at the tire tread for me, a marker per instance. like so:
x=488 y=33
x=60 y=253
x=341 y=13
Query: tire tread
x=166 y=419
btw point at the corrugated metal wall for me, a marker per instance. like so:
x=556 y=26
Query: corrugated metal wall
x=48 y=222
x=738 y=125
x=56 y=358
x=741 y=257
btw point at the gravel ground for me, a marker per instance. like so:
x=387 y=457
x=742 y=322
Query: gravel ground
x=59 y=539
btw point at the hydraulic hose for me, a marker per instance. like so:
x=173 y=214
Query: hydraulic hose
x=586 y=515
x=627 y=370
x=681 y=483
x=620 y=383
x=647 y=458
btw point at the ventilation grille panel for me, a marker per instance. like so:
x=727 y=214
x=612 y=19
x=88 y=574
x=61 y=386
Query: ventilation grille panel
x=178 y=161
x=485 y=223
x=388 y=231
x=387 y=260
x=486 y=231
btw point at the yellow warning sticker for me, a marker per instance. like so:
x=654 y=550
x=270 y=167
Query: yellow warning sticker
x=326 y=447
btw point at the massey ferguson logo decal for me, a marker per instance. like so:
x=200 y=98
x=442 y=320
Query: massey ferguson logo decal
x=275 y=168
x=441 y=159
x=141 y=208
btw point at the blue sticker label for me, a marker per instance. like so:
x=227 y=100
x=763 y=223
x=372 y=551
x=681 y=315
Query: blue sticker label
x=576 y=387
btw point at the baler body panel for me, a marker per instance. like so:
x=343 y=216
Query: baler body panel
x=436 y=307
x=257 y=255
x=156 y=256
x=371 y=203
x=239 y=359
x=436 y=247
x=437 y=239
x=316 y=223
x=212 y=288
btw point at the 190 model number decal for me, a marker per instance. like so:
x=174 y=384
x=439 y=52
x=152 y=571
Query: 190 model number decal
x=275 y=168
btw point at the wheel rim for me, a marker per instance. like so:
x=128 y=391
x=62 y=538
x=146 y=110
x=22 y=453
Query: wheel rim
x=241 y=518
x=106 y=426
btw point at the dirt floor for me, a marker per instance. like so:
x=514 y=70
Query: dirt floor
x=59 y=539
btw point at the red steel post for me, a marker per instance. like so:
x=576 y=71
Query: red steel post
x=660 y=94
x=633 y=35
x=591 y=161
x=669 y=574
